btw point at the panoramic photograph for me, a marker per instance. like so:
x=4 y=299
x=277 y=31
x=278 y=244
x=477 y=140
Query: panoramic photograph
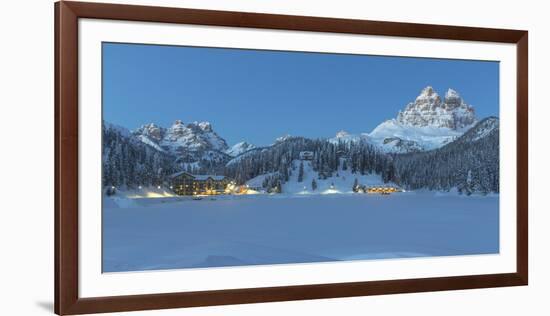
x=224 y=157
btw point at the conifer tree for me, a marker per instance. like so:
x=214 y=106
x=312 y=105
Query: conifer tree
x=301 y=172
x=313 y=185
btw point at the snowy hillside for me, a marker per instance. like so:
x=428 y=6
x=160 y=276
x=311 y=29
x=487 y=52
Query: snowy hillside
x=244 y=155
x=470 y=163
x=148 y=141
x=239 y=148
x=310 y=183
x=393 y=137
x=123 y=131
x=418 y=138
x=483 y=129
x=129 y=162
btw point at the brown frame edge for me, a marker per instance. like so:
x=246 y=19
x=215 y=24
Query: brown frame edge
x=67 y=301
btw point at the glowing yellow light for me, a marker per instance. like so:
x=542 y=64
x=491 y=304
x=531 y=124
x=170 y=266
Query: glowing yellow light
x=330 y=191
x=151 y=195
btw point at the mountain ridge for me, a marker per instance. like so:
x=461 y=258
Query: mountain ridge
x=426 y=127
x=424 y=124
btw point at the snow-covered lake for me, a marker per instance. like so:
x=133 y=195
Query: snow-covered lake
x=171 y=233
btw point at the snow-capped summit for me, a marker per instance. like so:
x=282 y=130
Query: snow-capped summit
x=426 y=123
x=282 y=138
x=205 y=126
x=345 y=137
x=178 y=129
x=151 y=130
x=191 y=144
x=342 y=134
x=451 y=94
x=429 y=110
x=181 y=137
x=239 y=148
x=194 y=136
x=428 y=98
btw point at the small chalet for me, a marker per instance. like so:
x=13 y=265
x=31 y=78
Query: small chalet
x=306 y=155
x=184 y=183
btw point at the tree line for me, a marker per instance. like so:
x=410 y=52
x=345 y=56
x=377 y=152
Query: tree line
x=469 y=164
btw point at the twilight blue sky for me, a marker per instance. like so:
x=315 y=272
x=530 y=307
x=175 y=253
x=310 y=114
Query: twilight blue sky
x=256 y=95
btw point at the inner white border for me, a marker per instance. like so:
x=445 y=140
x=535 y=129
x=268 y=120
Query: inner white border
x=93 y=283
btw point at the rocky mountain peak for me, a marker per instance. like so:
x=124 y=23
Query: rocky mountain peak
x=193 y=136
x=428 y=99
x=451 y=94
x=151 y=130
x=427 y=93
x=177 y=129
x=205 y=126
x=181 y=137
x=429 y=110
x=453 y=100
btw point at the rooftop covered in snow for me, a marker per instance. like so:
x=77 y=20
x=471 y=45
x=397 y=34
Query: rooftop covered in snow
x=198 y=176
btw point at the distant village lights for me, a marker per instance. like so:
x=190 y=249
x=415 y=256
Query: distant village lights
x=184 y=183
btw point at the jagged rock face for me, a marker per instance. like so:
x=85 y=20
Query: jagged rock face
x=152 y=131
x=193 y=136
x=177 y=130
x=182 y=138
x=425 y=124
x=429 y=110
x=194 y=144
x=205 y=126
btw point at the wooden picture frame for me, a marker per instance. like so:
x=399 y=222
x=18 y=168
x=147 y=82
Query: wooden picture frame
x=67 y=15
